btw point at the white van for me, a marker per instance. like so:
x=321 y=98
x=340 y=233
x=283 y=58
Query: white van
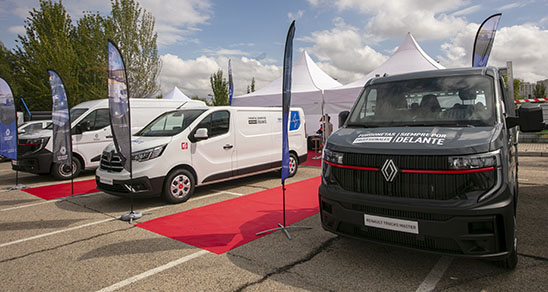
x=185 y=148
x=90 y=134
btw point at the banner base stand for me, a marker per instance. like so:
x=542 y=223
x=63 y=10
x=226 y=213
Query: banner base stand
x=131 y=216
x=17 y=187
x=284 y=229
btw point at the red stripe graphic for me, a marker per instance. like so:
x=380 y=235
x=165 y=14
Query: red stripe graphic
x=448 y=171
x=460 y=171
x=351 y=167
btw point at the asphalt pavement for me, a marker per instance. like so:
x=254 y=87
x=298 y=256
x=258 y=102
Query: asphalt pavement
x=78 y=245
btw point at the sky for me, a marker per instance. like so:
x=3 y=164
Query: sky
x=346 y=38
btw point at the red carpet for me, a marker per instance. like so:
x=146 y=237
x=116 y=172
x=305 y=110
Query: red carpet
x=223 y=226
x=313 y=162
x=63 y=190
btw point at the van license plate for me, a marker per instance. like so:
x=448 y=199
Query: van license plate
x=104 y=180
x=391 y=223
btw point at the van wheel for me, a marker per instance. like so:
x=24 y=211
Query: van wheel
x=511 y=261
x=179 y=186
x=293 y=164
x=62 y=171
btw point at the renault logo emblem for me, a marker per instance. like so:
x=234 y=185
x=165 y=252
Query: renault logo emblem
x=109 y=156
x=389 y=170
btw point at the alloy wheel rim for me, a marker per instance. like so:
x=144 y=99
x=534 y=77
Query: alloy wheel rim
x=292 y=165
x=65 y=171
x=180 y=186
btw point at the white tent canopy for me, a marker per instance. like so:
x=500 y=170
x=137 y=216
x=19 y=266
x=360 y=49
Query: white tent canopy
x=177 y=94
x=409 y=57
x=308 y=83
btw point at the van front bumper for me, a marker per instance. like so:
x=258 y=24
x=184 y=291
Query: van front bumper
x=144 y=187
x=443 y=227
x=38 y=162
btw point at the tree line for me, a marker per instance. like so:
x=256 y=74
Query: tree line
x=78 y=52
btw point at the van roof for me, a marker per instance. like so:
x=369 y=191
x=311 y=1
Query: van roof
x=141 y=102
x=435 y=73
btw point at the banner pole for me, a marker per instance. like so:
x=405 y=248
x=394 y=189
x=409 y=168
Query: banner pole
x=283 y=208
x=286 y=112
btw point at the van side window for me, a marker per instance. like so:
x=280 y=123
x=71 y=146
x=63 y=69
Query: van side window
x=219 y=123
x=97 y=119
x=216 y=123
x=102 y=119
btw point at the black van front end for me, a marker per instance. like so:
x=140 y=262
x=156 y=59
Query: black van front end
x=427 y=161
x=380 y=198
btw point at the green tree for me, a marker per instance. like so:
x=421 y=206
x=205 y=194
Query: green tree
x=201 y=99
x=539 y=91
x=47 y=44
x=133 y=32
x=7 y=67
x=219 y=87
x=90 y=38
x=252 y=86
x=517 y=85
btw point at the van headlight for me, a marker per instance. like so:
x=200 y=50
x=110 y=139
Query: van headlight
x=34 y=144
x=148 y=154
x=332 y=156
x=490 y=159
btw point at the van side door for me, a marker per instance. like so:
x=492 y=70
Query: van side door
x=212 y=157
x=94 y=137
x=254 y=138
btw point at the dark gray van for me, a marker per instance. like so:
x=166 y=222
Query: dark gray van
x=428 y=161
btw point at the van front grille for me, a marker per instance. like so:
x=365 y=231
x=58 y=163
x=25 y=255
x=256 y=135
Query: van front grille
x=430 y=186
x=111 y=161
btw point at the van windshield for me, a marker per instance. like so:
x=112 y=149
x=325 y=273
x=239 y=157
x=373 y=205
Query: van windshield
x=170 y=123
x=441 y=101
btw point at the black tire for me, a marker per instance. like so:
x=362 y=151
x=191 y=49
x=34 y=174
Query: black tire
x=62 y=171
x=511 y=261
x=293 y=164
x=178 y=186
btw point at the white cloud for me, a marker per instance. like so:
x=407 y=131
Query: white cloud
x=225 y=52
x=511 y=6
x=426 y=19
x=192 y=76
x=19 y=29
x=467 y=10
x=295 y=16
x=342 y=52
x=524 y=45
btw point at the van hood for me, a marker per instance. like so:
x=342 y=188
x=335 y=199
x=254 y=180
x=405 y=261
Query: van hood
x=36 y=134
x=416 y=140
x=142 y=143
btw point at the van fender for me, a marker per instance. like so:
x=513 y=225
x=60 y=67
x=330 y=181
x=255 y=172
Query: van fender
x=182 y=166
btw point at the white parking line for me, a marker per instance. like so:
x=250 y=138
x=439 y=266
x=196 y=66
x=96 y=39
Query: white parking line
x=50 y=201
x=230 y=193
x=153 y=271
x=92 y=223
x=55 y=232
x=435 y=274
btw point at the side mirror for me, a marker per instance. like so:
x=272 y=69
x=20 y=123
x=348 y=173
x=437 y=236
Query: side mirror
x=201 y=134
x=83 y=127
x=22 y=131
x=342 y=117
x=530 y=118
